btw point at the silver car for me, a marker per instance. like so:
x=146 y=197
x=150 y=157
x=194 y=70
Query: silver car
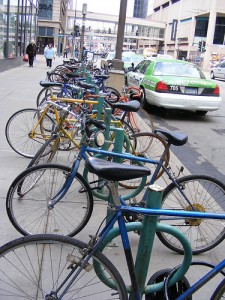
x=218 y=71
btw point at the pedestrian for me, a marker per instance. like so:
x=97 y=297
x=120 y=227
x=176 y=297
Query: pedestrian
x=49 y=55
x=65 y=52
x=31 y=52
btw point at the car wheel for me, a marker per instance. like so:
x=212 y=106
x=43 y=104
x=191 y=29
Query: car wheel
x=212 y=75
x=201 y=112
x=144 y=103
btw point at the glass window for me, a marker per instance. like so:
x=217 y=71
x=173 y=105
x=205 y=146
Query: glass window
x=201 y=26
x=219 y=31
x=3 y=31
x=50 y=31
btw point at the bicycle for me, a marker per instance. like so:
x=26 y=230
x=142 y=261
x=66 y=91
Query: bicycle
x=28 y=129
x=134 y=93
x=80 y=270
x=207 y=195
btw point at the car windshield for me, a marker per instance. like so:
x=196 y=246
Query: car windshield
x=177 y=69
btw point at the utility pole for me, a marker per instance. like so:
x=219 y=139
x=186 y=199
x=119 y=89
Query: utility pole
x=74 y=31
x=120 y=36
x=84 y=12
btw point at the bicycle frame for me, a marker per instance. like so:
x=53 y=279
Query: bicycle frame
x=83 y=155
x=151 y=222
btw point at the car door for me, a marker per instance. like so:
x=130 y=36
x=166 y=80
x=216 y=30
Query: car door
x=135 y=77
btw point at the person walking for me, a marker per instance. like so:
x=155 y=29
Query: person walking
x=65 y=52
x=49 y=54
x=31 y=52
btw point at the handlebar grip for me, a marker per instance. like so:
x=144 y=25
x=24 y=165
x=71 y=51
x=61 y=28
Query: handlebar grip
x=99 y=124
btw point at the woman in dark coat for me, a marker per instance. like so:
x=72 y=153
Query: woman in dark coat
x=31 y=51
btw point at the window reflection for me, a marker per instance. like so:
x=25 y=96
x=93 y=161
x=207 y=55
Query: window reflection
x=17 y=26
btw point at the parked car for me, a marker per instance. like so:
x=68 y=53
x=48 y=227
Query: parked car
x=218 y=71
x=127 y=57
x=175 y=84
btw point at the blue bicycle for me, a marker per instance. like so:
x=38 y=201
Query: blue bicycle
x=58 y=267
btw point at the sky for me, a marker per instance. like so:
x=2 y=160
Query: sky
x=107 y=6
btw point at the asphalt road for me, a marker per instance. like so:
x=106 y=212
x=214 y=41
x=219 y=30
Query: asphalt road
x=204 y=152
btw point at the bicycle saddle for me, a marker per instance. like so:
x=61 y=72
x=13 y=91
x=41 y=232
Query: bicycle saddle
x=48 y=84
x=128 y=106
x=72 y=68
x=113 y=171
x=72 y=75
x=101 y=76
x=174 y=138
x=86 y=85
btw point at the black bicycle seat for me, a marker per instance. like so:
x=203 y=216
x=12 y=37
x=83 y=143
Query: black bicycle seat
x=49 y=84
x=113 y=171
x=128 y=106
x=101 y=76
x=174 y=138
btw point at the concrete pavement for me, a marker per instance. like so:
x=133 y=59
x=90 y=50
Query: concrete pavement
x=19 y=88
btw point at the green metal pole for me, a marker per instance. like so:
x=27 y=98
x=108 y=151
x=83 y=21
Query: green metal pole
x=147 y=236
x=118 y=148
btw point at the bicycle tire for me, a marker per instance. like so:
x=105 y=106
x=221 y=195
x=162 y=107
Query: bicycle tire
x=219 y=292
x=29 y=196
x=33 y=267
x=45 y=93
x=18 y=129
x=115 y=95
x=55 y=150
x=46 y=153
x=129 y=131
x=151 y=146
x=206 y=194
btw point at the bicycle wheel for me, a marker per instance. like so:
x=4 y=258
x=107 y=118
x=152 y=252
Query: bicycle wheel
x=19 y=134
x=114 y=94
x=46 y=153
x=31 y=192
x=35 y=267
x=46 y=92
x=135 y=120
x=219 y=292
x=206 y=194
x=55 y=149
x=149 y=146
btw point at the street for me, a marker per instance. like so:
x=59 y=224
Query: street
x=204 y=152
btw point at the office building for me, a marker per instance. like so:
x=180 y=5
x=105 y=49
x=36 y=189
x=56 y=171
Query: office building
x=18 y=26
x=195 y=30
x=140 y=9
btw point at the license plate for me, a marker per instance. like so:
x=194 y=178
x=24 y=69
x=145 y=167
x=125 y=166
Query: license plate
x=190 y=90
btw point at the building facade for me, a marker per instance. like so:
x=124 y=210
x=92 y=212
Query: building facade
x=101 y=31
x=18 y=26
x=140 y=9
x=195 y=30
x=52 y=17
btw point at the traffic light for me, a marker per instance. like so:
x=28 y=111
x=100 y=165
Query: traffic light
x=203 y=46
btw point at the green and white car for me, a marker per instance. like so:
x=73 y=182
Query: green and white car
x=174 y=84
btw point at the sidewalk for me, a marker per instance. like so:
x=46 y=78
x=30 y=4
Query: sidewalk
x=19 y=89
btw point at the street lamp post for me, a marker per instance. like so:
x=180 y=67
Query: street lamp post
x=84 y=12
x=59 y=42
x=74 y=31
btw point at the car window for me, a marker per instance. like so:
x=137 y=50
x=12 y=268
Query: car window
x=223 y=65
x=139 y=66
x=145 y=66
x=176 y=69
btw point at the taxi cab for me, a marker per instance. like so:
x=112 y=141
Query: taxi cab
x=174 y=84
